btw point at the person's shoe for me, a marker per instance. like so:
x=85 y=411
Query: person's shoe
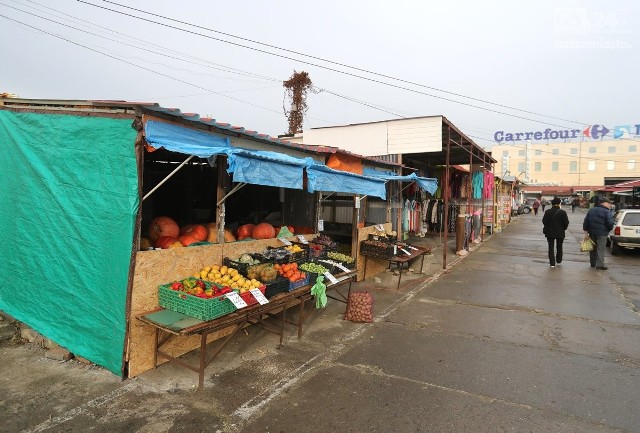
x=553 y=266
x=601 y=268
x=593 y=266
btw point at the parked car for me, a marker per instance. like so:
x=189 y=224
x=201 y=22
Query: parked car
x=626 y=230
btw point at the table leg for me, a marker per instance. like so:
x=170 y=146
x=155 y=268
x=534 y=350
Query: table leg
x=422 y=264
x=155 y=349
x=284 y=312
x=364 y=275
x=203 y=359
x=301 y=318
x=399 y=265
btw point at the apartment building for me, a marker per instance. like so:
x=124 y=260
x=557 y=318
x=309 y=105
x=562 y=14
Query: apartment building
x=576 y=162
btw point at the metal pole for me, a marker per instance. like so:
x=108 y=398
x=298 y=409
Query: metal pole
x=167 y=178
x=445 y=180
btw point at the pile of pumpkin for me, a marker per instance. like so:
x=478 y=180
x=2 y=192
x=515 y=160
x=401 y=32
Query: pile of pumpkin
x=164 y=232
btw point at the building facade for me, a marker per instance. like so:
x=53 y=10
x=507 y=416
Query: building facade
x=573 y=163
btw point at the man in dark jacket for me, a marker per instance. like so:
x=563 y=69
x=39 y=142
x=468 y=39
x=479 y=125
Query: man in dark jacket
x=555 y=221
x=598 y=223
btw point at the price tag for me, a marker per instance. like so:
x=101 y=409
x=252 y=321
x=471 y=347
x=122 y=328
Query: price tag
x=395 y=250
x=236 y=299
x=320 y=225
x=379 y=227
x=343 y=267
x=303 y=239
x=259 y=296
x=330 y=277
x=412 y=248
x=284 y=241
x=405 y=251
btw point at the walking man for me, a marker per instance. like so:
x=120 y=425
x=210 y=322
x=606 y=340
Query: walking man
x=598 y=223
x=574 y=204
x=555 y=221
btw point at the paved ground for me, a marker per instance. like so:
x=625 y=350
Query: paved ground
x=499 y=342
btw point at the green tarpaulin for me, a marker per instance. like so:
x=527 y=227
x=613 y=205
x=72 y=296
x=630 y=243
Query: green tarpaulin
x=68 y=202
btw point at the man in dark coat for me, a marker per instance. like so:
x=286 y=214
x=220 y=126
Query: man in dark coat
x=598 y=223
x=555 y=221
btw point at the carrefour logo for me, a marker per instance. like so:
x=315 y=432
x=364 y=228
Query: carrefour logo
x=594 y=132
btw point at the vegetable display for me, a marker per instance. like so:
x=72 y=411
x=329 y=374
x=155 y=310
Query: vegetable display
x=313 y=268
x=340 y=257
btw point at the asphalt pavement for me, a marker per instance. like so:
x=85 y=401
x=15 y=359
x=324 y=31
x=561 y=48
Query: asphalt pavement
x=497 y=342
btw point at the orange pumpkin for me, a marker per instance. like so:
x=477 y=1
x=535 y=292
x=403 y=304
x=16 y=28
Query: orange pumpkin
x=212 y=229
x=197 y=231
x=187 y=240
x=165 y=242
x=245 y=231
x=263 y=231
x=163 y=226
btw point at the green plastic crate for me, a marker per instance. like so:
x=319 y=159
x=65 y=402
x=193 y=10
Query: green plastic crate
x=200 y=308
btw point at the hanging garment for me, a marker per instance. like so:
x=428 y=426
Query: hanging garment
x=477 y=183
x=489 y=184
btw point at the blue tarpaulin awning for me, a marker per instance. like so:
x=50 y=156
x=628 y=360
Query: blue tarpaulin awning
x=267 y=168
x=427 y=184
x=261 y=167
x=323 y=178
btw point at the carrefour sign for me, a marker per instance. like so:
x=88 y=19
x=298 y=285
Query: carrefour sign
x=594 y=132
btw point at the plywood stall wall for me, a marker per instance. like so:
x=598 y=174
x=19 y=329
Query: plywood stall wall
x=374 y=266
x=157 y=267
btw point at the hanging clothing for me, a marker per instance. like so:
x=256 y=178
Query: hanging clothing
x=477 y=183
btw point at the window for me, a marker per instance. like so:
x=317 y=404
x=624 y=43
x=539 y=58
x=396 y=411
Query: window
x=538 y=166
x=631 y=164
x=538 y=152
x=573 y=166
x=611 y=165
x=574 y=150
x=520 y=167
x=505 y=153
x=611 y=149
x=555 y=151
x=555 y=166
x=592 y=150
x=633 y=148
x=521 y=153
x=591 y=165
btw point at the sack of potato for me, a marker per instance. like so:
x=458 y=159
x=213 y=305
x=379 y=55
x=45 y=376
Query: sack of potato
x=359 y=308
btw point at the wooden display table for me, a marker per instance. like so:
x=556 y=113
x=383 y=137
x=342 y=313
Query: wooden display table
x=169 y=324
x=400 y=259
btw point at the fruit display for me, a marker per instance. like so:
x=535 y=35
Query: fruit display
x=290 y=271
x=340 y=257
x=245 y=231
x=264 y=272
x=196 y=231
x=324 y=240
x=276 y=255
x=226 y=276
x=294 y=248
x=313 y=268
x=200 y=288
x=212 y=234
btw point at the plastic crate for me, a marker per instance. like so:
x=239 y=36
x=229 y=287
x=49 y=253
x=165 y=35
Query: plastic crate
x=299 y=283
x=300 y=255
x=371 y=249
x=321 y=250
x=286 y=258
x=279 y=285
x=241 y=267
x=200 y=308
x=249 y=298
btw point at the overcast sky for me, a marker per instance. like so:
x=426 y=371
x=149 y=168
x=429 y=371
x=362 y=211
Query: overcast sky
x=574 y=61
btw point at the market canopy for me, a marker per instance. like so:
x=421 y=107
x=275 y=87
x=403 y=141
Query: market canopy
x=323 y=178
x=427 y=184
x=261 y=167
x=267 y=168
x=176 y=138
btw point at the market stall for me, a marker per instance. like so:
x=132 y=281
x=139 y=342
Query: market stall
x=123 y=211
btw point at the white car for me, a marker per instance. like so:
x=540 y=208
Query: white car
x=626 y=230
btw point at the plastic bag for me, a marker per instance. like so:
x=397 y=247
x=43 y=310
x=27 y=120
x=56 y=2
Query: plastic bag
x=587 y=244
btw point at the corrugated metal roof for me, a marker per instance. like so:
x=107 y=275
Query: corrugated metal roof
x=152 y=107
